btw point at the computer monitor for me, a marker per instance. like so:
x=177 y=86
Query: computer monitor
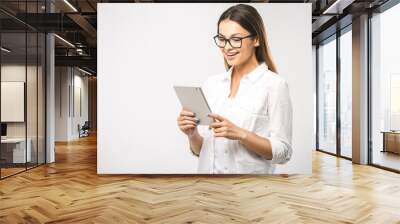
x=3 y=129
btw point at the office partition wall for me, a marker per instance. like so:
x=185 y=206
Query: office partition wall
x=345 y=63
x=334 y=100
x=13 y=74
x=327 y=95
x=385 y=89
x=22 y=99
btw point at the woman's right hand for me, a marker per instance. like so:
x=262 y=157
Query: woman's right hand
x=187 y=122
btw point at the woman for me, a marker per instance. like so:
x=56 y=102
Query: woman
x=251 y=106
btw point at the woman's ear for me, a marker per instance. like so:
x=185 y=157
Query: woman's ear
x=257 y=42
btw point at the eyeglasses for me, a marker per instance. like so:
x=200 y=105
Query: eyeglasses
x=235 y=42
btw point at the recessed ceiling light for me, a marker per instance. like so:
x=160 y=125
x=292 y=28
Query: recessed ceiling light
x=70 y=5
x=5 y=50
x=84 y=71
x=337 y=7
x=64 y=40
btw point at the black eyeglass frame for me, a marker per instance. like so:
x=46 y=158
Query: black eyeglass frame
x=229 y=40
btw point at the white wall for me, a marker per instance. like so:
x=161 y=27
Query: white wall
x=68 y=80
x=144 y=49
x=80 y=83
x=314 y=74
x=61 y=103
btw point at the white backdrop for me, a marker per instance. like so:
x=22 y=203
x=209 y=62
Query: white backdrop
x=145 y=49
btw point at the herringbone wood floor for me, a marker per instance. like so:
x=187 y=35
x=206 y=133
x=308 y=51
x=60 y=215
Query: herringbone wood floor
x=70 y=191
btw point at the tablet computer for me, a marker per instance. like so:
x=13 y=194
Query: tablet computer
x=193 y=99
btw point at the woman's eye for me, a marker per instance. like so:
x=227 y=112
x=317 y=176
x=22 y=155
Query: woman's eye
x=235 y=39
x=221 y=39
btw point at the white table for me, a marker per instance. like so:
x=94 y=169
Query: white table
x=18 y=149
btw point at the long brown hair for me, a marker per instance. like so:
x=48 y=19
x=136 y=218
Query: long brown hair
x=248 y=17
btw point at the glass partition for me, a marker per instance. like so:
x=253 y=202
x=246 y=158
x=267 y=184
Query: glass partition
x=22 y=117
x=41 y=107
x=385 y=89
x=327 y=96
x=14 y=153
x=32 y=95
x=346 y=93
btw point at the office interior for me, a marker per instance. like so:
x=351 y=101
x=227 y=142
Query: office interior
x=48 y=77
x=48 y=89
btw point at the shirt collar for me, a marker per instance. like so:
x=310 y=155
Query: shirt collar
x=251 y=76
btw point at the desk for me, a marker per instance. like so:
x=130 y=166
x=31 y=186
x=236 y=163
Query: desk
x=13 y=150
x=391 y=141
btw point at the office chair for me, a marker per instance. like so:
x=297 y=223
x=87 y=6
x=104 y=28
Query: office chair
x=84 y=130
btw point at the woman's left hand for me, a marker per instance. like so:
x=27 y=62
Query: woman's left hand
x=222 y=127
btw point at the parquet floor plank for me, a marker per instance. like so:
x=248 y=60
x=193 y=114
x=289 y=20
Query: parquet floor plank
x=70 y=191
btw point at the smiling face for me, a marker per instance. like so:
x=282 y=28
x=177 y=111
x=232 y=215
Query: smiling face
x=233 y=31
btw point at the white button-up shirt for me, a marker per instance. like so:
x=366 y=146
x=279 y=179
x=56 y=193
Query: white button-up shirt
x=261 y=105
